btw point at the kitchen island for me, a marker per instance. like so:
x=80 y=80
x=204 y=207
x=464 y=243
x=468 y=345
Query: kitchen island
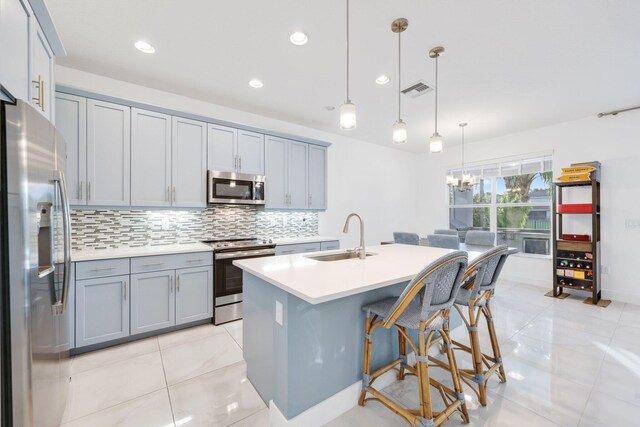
x=304 y=328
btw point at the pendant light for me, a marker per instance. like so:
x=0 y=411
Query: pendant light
x=466 y=180
x=435 y=144
x=348 y=109
x=399 y=128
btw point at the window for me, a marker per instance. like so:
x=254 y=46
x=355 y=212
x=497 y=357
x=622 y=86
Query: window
x=512 y=199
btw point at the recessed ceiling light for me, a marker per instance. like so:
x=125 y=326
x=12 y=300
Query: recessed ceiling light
x=255 y=83
x=145 y=47
x=383 y=79
x=329 y=107
x=299 y=38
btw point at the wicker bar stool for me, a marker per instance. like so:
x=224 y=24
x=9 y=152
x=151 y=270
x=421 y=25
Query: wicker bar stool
x=475 y=293
x=424 y=305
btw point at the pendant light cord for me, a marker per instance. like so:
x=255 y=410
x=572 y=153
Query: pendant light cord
x=399 y=75
x=348 y=99
x=462 y=149
x=436 y=119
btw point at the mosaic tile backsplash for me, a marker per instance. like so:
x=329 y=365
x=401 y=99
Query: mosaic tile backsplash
x=101 y=229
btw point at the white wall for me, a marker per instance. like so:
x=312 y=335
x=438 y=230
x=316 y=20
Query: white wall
x=614 y=141
x=374 y=181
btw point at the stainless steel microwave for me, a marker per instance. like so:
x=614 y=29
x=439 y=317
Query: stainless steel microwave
x=235 y=188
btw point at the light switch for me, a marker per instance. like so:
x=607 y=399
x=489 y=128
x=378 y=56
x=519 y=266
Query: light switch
x=279 y=313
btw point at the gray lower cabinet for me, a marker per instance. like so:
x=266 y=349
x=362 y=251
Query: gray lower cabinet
x=300 y=248
x=152 y=301
x=194 y=294
x=102 y=309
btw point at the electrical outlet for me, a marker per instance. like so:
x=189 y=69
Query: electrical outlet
x=604 y=269
x=279 y=313
x=632 y=223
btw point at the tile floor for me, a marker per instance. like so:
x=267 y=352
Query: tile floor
x=567 y=364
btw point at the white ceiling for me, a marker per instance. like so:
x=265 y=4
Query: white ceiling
x=509 y=65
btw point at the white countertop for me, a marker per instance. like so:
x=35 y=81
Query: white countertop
x=320 y=281
x=296 y=240
x=127 y=251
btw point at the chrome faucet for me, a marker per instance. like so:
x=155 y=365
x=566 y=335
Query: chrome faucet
x=360 y=250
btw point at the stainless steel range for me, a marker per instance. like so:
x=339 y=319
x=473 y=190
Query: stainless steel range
x=227 y=278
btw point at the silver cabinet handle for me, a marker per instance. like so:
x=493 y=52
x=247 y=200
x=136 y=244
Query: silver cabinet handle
x=124 y=290
x=235 y=162
x=153 y=264
x=178 y=279
x=80 y=192
x=103 y=269
x=310 y=199
x=88 y=191
x=171 y=284
x=168 y=196
x=174 y=194
x=195 y=260
x=239 y=163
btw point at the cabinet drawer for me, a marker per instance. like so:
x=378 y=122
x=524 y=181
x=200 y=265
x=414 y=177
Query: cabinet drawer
x=297 y=249
x=170 y=262
x=330 y=246
x=102 y=268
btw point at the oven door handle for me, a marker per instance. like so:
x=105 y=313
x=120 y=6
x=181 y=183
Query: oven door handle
x=244 y=254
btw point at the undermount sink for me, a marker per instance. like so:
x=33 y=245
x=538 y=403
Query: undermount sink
x=337 y=257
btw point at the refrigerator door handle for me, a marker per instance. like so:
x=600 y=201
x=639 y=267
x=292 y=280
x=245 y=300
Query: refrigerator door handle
x=60 y=306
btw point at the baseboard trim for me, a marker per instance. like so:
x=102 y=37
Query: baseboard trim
x=328 y=409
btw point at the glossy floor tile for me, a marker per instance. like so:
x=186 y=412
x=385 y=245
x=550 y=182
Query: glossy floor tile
x=235 y=330
x=96 y=359
x=112 y=384
x=219 y=398
x=188 y=360
x=567 y=364
x=189 y=335
x=151 y=410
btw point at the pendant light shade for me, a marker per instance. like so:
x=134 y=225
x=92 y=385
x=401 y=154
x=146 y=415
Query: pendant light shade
x=435 y=143
x=348 y=109
x=348 y=116
x=399 y=132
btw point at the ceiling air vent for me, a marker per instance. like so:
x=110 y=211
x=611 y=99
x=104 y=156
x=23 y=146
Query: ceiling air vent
x=419 y=88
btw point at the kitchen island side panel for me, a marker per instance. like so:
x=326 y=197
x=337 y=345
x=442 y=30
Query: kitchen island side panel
x=317 y=352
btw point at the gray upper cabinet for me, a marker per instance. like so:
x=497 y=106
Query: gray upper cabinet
x=296 y=174
x=189 y=163
x=152 y=301
x=102 y=309
x=71 y=118
x=42 y=87
x=250 y=152
x=194 y=294
x=297 y=165
x=276 y=173
x=151 y=159
x=16 y=20
x=108 y=154
x=317 y=177
x=221 y=144
x=232 y=150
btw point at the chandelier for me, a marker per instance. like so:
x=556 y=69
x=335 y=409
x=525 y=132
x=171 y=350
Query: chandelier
x=466 y=181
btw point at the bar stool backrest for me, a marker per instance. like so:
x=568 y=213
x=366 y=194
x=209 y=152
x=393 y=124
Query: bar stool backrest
x=445 y=231
x=484 y=271
x=406 y=238
x=438 y=284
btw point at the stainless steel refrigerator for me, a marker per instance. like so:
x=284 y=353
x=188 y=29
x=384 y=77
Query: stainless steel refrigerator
x=35 y=255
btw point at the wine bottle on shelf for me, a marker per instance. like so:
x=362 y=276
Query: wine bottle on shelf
x=579 y=265
x=571 y=265
x=564 y=263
